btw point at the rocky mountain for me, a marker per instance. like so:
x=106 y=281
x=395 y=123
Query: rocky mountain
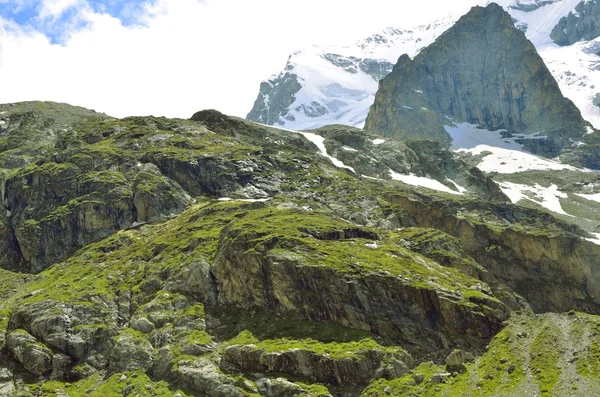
x=215 y=256
x=575 y=66
x=484 y=71
x=580 y=24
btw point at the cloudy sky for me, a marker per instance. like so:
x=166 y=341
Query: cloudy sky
x=174 y=57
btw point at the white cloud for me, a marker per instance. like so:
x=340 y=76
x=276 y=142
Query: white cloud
x=55 y=8
x=189 y=55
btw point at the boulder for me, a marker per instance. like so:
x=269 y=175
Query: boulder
x=32 y=354
x=131 y=353
x=455 y=362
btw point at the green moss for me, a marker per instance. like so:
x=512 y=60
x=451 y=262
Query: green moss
x=195 y=337
x=136 y=335
x=132 y=384
x=11 y=284
x=335 y=350
x=545 y=357
x=268 y=230
x=67 y=209
x=243 y=338
x=586 y=330
x=4 y=317
x=49 y=170
x=313 y=390
x=124 y=260
x=104 y=177
x=505 y=350
x=406 y=385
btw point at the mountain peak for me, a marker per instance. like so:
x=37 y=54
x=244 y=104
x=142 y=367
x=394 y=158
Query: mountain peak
x=484 y=71
x=490 y=16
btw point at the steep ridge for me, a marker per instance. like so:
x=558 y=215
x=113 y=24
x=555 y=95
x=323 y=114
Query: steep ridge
x=483 y=71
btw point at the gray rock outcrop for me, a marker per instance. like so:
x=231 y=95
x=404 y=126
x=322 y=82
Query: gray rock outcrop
x=583 y=24
x=484 y=71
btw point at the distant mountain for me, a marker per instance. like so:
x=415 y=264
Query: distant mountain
x=337 y=84
x=325 y=85
x=484 y=71
x=583 y=23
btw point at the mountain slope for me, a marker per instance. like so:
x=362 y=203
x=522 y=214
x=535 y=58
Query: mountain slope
x=483 y=71
x=216 y=256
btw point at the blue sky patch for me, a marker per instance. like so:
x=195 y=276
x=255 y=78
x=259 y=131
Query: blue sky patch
x=26 y=13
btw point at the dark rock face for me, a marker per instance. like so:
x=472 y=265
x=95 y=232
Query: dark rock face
x=375 y=68
x=484 y=71
x=541 y=256
x=274 y=98
x=531 y=6
x=584 y=24
x=415 y=315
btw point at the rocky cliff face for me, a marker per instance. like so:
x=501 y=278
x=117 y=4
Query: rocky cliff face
x=275 y=97
x=484 y=71
x=582 y=24
x=219 y=257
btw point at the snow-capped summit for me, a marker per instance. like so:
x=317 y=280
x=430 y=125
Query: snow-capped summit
x=326 y=85
x=337 y=84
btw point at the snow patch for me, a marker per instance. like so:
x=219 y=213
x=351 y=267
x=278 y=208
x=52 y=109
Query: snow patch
x=502 y=155
x=461 y=189
x=575 y=143
x=542 y=20
x=349 y=149
x=412 y=179
x=263 y=200
x=319 y=142
x=575 y=69
x=506 y=161
x=378 y=141
x=371 y=178
x=547 y=197
x=594 y=240
x=591 y=197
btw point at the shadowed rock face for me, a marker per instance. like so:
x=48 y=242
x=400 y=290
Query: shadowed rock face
x=584 y=24
x=274 y=98
x=482 y=70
